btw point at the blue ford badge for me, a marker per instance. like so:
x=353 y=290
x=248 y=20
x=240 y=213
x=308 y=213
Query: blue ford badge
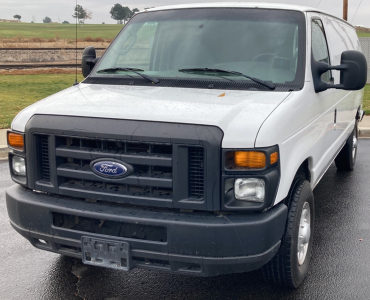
x=109 y=169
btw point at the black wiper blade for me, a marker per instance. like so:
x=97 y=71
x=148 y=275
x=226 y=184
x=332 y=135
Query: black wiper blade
x=134 y=70
x=271 y=86
x=119 y=69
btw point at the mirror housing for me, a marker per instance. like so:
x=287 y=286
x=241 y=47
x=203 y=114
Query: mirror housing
x=353 y=72
x=88 y=61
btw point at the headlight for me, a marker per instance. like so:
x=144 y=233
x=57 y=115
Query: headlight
x=250 y=189
x=19 y=166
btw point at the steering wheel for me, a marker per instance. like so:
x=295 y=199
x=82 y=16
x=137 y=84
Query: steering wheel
x=264 y=57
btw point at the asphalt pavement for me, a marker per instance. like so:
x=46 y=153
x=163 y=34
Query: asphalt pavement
x=340 y=266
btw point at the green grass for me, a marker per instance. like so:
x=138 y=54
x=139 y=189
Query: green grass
x=64 y=31
x=366 y=106
x=363 y=34
x=20 y=91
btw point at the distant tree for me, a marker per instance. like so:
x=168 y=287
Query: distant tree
x=65 y=22
x=46 y=20
x=80 y=13
x=17 y=17
x=88 y=15
x=32 y=22
x=129 y=14
x=117 y=13
x=135 y=10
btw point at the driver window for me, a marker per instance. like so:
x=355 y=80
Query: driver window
x=320 y=47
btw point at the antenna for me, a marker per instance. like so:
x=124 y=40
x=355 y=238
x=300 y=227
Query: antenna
x=76 y=14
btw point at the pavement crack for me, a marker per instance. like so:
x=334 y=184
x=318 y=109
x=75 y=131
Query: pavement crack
x=77 y=270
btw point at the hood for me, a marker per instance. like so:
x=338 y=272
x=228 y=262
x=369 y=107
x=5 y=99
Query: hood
x=239 y=114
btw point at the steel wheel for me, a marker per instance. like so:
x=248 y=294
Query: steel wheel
x=354 y=146
x=346 y=159
x=290 y=265
x=304 y=233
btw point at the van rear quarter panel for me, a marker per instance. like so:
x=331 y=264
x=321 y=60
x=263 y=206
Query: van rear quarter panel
x=342 y=37
x=303 y=124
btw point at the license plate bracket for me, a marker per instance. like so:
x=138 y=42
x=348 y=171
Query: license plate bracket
x=106 y=253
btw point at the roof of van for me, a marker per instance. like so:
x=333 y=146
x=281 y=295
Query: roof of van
x=246 y=5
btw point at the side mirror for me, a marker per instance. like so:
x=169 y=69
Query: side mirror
x=88 y=63
x=353 y=72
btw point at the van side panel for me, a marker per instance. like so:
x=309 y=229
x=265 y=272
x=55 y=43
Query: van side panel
x=343 y=37
x=303 y=125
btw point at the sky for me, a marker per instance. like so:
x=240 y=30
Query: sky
x=59 y=11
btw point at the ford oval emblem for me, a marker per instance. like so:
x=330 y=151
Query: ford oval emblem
x=110 y=169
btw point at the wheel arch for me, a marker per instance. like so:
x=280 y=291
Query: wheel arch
x=301 y=170
x=304 y=170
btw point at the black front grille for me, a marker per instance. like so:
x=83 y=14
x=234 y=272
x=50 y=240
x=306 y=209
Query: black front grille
x=196 y=172
x=171 y=166
x=150 y=183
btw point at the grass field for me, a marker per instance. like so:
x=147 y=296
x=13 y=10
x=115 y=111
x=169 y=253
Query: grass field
x=20 y=91
x=62 y=31
x=363 y=34
x=68 y=31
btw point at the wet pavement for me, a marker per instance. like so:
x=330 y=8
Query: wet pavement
x=340 y=266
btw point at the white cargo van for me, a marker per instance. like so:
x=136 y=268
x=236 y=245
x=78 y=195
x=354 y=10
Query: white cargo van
x=194 y=143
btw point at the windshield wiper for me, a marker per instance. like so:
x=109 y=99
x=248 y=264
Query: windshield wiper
x=271 y=86
x=136 y=71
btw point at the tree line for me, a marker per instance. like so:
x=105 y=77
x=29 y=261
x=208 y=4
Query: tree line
x=122 y=13
x=118 y=12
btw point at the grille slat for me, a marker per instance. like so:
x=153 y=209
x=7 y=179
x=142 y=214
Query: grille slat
x=143 y=159
x=115 y=195
x=157 y=179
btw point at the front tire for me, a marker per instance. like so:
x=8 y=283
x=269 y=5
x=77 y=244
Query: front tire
x=290 y=265
x=346 y=159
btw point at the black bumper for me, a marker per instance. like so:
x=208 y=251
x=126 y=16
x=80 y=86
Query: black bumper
x=202 y=244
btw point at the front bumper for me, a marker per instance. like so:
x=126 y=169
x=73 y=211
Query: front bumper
x=201 y=244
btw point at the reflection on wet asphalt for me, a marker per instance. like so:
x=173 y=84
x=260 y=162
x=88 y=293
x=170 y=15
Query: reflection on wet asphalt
x=340 y=266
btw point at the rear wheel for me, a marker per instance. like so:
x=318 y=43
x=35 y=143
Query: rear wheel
x=346 y=159
x=290 y=265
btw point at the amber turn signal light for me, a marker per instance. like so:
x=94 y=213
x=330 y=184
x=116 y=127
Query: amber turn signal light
x=250 y=159
x=16 y=141
x=274 y=157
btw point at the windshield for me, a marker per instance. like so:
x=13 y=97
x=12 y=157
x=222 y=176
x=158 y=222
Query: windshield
x=267 y=45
